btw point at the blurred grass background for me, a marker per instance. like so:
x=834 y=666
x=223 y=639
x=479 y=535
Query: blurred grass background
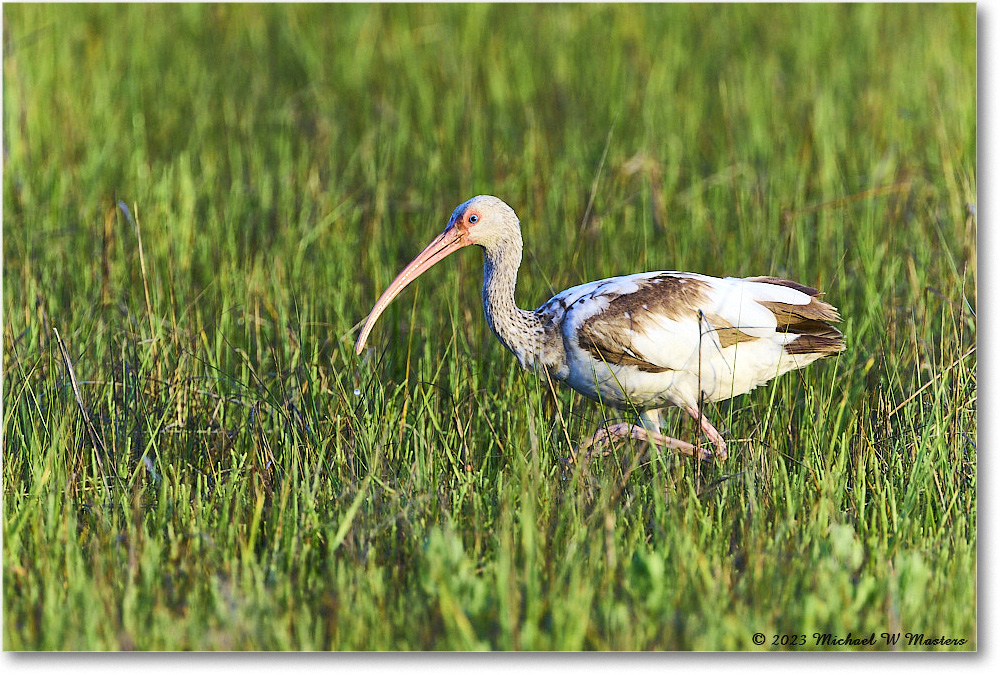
x=201 y=201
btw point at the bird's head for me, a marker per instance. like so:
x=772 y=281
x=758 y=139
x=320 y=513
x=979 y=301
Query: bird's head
x=484 y=221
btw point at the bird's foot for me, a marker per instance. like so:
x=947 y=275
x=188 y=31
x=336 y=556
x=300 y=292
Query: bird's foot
x=599 y=443
x=710 y=431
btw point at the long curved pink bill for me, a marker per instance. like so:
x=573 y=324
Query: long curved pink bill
x=446 y=243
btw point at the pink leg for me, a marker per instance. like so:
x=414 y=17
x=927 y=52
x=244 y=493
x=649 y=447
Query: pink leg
x=710 y=431
x=624 y=430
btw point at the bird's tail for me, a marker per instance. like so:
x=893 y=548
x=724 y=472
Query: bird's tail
x=811 y=324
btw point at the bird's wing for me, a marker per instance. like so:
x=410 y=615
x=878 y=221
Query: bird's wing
x=619 y=320
x=658 y=321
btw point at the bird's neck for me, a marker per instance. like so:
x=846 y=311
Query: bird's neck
x=518 y=330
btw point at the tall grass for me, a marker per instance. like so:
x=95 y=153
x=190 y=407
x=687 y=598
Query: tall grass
x=201 y=202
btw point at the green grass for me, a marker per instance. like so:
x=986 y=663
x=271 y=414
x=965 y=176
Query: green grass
x=237 y=479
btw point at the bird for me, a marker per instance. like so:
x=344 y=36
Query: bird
x=642 y=342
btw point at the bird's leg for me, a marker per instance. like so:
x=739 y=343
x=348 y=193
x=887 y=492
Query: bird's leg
x=652 y=422
x=710 y=431
x=604 y=437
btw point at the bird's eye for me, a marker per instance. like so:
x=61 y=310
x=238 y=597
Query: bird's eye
x=474 y=219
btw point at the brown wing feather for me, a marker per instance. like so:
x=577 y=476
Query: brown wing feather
x=790 y=315
x=668 y=295
x=606 y=334
x=810 y=322
x=727 y=333
x=808 y=290
x=607 y=340
x=816 y=344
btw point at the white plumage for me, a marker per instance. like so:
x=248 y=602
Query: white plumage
x=689 y=347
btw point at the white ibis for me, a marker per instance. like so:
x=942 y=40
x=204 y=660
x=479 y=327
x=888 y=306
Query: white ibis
x=644 y=341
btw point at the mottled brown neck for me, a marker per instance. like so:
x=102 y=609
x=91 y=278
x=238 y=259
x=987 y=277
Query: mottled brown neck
x=518 y=330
